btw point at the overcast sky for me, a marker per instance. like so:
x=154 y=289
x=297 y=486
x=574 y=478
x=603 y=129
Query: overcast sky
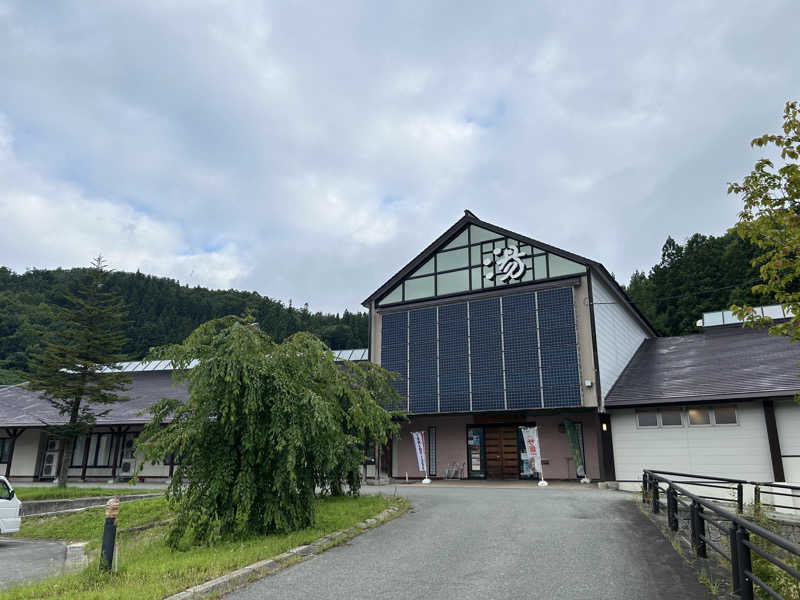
x=309 y=150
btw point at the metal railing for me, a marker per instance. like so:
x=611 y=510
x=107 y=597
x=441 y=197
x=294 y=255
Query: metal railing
x=743 y=535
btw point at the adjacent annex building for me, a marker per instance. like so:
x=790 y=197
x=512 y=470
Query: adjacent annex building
x=720 y=402
x=489 y=331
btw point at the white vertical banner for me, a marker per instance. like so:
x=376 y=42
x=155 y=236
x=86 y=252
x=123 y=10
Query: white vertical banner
x=531 y=437
x=419 y=446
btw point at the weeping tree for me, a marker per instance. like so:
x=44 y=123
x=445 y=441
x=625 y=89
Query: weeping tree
x=265 y=426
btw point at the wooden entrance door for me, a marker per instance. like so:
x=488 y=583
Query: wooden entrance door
x=502 y=456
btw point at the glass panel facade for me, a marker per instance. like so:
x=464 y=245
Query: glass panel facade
x=504 y=261
x=77 y=452
x=540 y=267
x=460 y=240
x=104 y=446
x=396 y=295
x=561 y=266
x=450 y=283
x=452 y=259
x=479 y=234
x=419 y=288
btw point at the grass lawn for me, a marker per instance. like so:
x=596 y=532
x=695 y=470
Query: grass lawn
x=57 y=493
x=150 y=569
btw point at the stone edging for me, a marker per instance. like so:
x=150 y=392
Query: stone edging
x=241 y=577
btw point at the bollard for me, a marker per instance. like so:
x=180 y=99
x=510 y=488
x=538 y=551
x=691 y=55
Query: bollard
x=109 y=534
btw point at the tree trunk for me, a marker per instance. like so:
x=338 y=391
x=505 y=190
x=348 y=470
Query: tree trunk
x=68 y=447
x=66 y=461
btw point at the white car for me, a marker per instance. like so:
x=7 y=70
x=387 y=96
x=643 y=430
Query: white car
x=9 y=508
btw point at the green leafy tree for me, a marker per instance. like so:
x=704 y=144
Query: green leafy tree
x=72 y=368
x=770 y=219
x=265 y=425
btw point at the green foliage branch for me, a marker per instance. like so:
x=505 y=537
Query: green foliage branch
x=770 y=218
x=265 y=426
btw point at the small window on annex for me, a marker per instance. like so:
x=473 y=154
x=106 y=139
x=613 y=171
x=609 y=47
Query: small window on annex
x=699 y=416
x=725 y=415
x=478 y=259
x=671 y=417
x=647 y=418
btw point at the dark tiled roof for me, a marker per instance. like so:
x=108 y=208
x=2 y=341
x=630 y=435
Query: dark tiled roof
x=20 y=407
x=725 y=363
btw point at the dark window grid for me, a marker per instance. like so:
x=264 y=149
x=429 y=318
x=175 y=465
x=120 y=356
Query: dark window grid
x=556 y=397
x=531 y=399
x=487 y=400
x=555 y=297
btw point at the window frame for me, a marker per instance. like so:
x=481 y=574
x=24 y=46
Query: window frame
x=646 y=411
x=735 y=415
x=5 y=449
x=708 y=412
x=661 y=419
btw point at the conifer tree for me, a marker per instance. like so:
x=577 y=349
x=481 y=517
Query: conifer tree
x=72 y=368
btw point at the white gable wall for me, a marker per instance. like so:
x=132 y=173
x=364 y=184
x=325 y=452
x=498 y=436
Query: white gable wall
x=617 y=332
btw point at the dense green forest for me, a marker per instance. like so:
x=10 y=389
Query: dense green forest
x=160 y=311
x=706 y=273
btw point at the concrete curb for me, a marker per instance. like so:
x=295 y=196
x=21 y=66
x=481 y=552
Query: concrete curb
x=43 y=508
x=241 y=577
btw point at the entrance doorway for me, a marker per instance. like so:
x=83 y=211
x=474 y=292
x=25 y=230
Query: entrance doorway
x=502 y=453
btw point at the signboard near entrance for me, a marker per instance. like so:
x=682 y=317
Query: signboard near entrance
x=531 y=437
x=419 y=446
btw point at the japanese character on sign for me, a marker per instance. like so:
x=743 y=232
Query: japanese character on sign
x=508 y=263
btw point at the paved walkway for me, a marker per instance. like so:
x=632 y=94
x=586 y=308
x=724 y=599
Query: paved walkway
x=497 y=542
x=26 y=560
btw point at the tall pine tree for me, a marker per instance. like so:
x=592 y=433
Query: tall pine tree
x=72 y=368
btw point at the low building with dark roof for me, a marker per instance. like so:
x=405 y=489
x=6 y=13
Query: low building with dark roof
x=28 y=453
x=720 y=403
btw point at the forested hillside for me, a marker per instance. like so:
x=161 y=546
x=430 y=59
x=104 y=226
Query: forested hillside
x=706 y=273
x=160 y=311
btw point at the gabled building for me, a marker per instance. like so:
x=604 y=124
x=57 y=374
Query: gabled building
x=489 y=331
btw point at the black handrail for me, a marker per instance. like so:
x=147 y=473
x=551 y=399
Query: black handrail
x=738 y=532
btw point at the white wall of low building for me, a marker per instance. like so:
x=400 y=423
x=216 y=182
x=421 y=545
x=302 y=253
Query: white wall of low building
x=787 y=417
x=26 y=452
x=738 y=451
x=618 y=333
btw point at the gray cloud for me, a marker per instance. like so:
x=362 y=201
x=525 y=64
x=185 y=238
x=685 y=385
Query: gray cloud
x=308 y=151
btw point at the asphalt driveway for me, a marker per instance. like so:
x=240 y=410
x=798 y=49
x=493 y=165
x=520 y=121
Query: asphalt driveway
x=497 y=542
x=25 y=560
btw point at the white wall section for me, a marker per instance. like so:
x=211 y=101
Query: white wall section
x=787 y=417
x=738 y=451
x=618 y=333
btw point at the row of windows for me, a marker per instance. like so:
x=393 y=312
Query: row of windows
x=101 y=449
x=679 y=417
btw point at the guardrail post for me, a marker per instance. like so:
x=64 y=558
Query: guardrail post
x=735 y=573
x=698 y=530
x=745 y=564
x=740 y=498
x=656 y=504
x=757 y=499
x=645 y=483
x=672 y=508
